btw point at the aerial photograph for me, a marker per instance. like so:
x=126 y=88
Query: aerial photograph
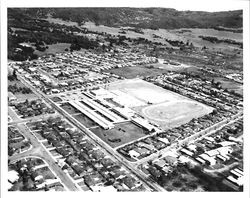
x=124 y=99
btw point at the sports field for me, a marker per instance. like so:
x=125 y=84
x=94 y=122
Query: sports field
x=163 y=107
x=171 y=114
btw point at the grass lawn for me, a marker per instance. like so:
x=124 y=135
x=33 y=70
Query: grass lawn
x=69 y=108
x=124 y=132
x=83 y=119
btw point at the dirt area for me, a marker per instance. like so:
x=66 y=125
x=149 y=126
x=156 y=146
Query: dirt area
x=143 y=91
x=121 y=134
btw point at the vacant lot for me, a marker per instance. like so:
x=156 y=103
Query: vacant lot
x=133 y=72
x=181 y=180
x=230 y=85
x=19 y=95
x=121 y=134
x=53 y=49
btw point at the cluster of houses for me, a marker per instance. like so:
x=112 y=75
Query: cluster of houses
x=173 y=136
x=32 y=108
x=236 y=179
x=68 y=71
x=89 y=166
x=213 y=152
x=143 y=148
x=157 y=167
x=17 y=143
x=170 y=137
x=198 y=89
x=38 y=176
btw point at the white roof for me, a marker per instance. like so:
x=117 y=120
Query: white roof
x=13 y=176
x=212 y=152
x=164 y=140
x=209 y=139
x=192 y=147
x=208 y=158
x=9 y=185
x=39 y=177
x=227 y=143
x=104 y=189
x=224 y=150
x=11 y=96
x=134 y=153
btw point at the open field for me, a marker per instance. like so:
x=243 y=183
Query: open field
x=191 y=35
x=54 y=48
x=133 y=72
x=154 y=70
x=170 y=67
x=22 y=97
x=144 y=91
x=61 y=22
x=163 y=107
x=230 y=85
x=209 y=32
x=121 y=134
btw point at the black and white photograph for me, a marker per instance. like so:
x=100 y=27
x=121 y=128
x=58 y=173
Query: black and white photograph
x=132 y=97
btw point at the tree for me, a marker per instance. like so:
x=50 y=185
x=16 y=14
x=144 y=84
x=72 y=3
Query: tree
x=14 y=75
x=26 y=101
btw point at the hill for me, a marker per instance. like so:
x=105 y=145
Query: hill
x=153 y=18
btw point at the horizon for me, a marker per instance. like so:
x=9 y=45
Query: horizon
x=180 y=5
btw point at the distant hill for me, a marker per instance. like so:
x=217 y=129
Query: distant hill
x=140 y=17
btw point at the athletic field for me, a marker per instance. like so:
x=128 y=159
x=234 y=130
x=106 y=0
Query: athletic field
x=160 y=106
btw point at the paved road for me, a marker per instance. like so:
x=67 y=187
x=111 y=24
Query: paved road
x=13 y=115
x=131 y=166
x=212 y=129
x=153 y=185
x=39 y=151
x=31 y=119
x=221 y=169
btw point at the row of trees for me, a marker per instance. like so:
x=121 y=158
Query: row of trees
x=15 y=89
